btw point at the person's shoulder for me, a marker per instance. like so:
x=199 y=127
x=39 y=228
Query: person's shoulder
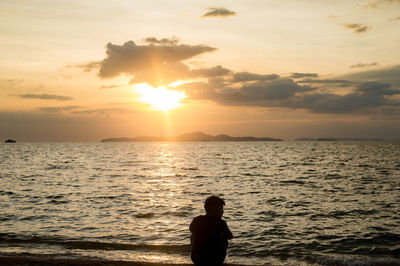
x=196 y=223
x=198 y=219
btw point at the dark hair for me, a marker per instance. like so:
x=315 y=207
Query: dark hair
x=212 y=202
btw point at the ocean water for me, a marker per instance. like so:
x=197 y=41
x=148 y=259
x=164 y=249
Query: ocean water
x=287 y=203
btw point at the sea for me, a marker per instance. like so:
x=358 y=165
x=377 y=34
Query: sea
x=287 y=202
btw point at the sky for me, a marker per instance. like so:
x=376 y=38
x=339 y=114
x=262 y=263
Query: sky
x=88 y=70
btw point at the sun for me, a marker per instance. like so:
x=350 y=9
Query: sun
x=159 y=98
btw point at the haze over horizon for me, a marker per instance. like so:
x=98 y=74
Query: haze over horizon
x=90 y=70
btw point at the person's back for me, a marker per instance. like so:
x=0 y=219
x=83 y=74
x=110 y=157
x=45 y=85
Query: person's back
x=210 y=234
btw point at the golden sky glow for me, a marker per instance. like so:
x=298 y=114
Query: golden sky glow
x=87 y=70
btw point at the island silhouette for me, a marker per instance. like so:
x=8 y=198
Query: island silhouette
x=194 y=136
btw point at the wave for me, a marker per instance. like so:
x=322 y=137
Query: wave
x=57 y=167
x=6 y=193
x=353 y=261
x=167 y=213
x=313 y=252
x=145 y=215
x=92 y=245
x=341 y=214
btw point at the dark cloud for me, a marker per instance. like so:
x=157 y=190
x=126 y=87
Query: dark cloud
x=361 y=65
x=266 y=90
x=336 y=104
x=356 y=27
x=219 y=12
x=389 y=75
x=45 y=97
x=247 y=76
x=303 y=75
x=365 y=95
x=130 y=58
x=338 y=82
x=278 y=89
x=211 y=72
x=163 y=41
x=377 y=88
x=58 y=109
x=155 y=64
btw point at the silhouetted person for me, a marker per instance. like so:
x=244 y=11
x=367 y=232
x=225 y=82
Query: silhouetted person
x=210 y=234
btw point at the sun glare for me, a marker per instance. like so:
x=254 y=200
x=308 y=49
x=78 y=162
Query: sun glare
x=160 y=98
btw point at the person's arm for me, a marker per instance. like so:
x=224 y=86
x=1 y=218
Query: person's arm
x=191 y=227
x=226 y=232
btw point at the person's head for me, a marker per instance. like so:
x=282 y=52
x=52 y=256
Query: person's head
x=214 y=206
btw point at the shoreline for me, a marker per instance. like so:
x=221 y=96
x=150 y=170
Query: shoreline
x=50 y=261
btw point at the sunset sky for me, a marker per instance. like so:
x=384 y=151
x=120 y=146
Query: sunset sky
x=87 y=70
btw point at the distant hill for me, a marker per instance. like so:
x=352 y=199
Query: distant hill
x=194 y=136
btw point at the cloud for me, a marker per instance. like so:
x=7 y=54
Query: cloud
x=211 y=72
x=88 y=66
x=163 y=41
x=12 y=11
x=109 y=87
x=377 y=88
x=104 y=111
x=336 y=104
x=58 y=109
x=277 y=89
x=10 y=82
x=45 y=97
x=338 y=82
x=303 y=75
x=155 y=64
x=357 y=27
x=219 y=12
x=389 y=75
x=246 y=76
x=368 y=91
x=372 y=4
x=366 y=95
x=377 y=3
x=361 y=65
x=162 y=62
